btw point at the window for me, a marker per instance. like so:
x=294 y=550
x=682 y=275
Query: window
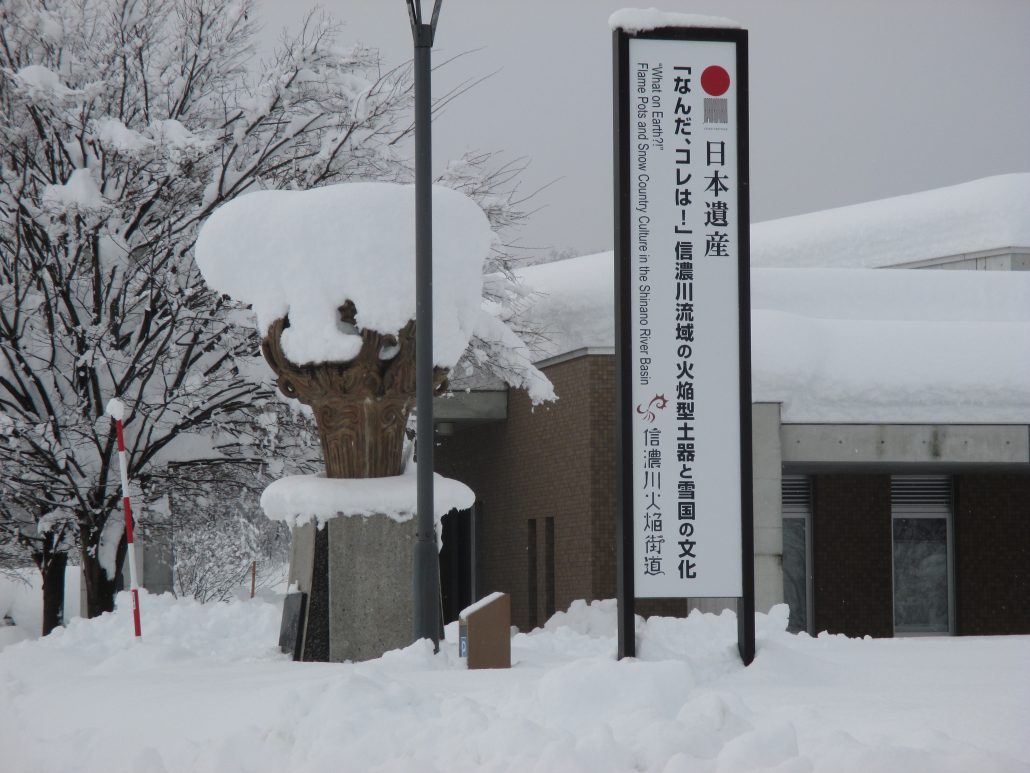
x=796 y=502
x=921 y=536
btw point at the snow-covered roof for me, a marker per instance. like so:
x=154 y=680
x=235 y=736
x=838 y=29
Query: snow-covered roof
x=573 y=306
x=985 y=214
x=837 y=345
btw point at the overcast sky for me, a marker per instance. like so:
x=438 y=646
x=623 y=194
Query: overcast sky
x=850 y=101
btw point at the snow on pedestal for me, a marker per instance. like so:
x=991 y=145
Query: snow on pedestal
x=300 y=499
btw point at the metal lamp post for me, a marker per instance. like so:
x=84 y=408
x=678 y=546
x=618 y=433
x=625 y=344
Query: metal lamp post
x=426 y=618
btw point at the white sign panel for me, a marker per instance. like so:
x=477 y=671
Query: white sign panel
x=684 y=342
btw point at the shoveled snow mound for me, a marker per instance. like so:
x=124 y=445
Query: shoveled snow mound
x=205 y=690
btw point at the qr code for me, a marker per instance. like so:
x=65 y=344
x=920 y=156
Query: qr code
x=717 y=110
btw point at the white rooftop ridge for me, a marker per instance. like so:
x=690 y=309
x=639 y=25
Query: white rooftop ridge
x=985 y=214
x=646 y=19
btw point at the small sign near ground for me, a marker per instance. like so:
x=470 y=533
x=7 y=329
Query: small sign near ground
x=484 y=632
x=294 y=607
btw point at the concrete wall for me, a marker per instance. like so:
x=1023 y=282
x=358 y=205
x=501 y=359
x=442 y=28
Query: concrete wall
x=767 y=473
x=999 y=259
x=901 y=444
x=766 y=478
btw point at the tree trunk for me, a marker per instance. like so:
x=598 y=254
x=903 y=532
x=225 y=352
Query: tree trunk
x=100 y=589
x=53 y=591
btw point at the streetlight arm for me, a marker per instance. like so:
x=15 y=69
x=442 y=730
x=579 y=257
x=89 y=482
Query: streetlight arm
x=423 y=34
x=436 y=16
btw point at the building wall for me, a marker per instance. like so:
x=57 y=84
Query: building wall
x=545 y=480
x=558 y=462
x=851 y=532
x=992 y=554
x=852 y=553
x=549 y=462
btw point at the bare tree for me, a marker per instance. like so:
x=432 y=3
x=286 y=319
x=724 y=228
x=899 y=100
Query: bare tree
x=123 y=124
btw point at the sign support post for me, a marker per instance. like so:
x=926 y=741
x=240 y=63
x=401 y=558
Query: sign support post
x=683 y=354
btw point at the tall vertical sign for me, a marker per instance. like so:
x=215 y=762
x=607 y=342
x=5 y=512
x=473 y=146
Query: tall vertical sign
x=683 y=318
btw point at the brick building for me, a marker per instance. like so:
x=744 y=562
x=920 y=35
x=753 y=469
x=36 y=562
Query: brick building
x=891 y=428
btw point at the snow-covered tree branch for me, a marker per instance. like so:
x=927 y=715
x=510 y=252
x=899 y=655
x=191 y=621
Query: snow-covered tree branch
x=123 y=125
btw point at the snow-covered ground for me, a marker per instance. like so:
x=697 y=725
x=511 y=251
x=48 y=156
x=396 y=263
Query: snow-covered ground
x=206 y=690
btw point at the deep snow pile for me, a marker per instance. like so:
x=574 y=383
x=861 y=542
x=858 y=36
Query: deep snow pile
x=205 y=690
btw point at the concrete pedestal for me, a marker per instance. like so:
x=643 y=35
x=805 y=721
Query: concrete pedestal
x=357 y=573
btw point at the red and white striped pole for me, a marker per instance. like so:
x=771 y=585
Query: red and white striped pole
x=116 y=410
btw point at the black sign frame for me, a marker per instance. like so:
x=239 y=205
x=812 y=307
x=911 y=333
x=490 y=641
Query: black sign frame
x=622 y=136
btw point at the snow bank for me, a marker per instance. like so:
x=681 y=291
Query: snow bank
x=845 y=345
x=206 y=689
x=980 y=215
x=298 y=499
x=304 y=253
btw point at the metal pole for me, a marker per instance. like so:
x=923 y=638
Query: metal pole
x=426 y=618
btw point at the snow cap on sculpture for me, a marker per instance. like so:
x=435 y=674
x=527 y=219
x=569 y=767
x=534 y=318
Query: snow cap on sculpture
x=305 y=253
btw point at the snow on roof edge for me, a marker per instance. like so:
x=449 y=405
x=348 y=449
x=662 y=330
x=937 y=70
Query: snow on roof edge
x=983 y=214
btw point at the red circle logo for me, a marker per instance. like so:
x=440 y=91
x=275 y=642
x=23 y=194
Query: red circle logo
x=715 y=80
